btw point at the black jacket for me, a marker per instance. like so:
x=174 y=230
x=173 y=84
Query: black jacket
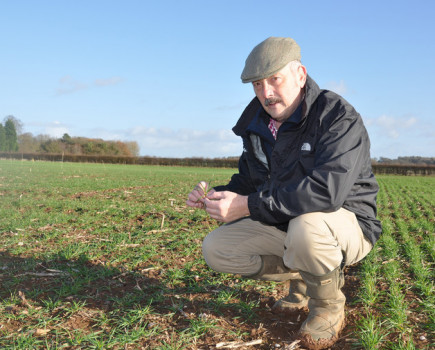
x=320 y=163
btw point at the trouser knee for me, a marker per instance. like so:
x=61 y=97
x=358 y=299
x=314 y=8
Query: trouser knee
x=210 y=252
x=222 y=256
x=237 y=247
x=310 y=245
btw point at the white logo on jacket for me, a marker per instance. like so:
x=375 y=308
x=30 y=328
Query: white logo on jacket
x=306 y=147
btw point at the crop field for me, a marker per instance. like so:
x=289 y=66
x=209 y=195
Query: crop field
x=97 y=256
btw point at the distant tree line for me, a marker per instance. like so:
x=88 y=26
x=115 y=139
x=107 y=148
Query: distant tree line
x=12 y=140
x=405 y=161
x=230 y=162
x=188 y=162
x=75 y=146
x=402 y=169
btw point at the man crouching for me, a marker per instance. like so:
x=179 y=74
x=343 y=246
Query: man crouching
x=303 y=203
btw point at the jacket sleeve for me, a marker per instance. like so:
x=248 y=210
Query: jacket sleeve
x=241 y=182
x=340 y=153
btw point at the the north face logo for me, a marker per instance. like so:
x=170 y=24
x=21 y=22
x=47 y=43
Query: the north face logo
x=306 y=147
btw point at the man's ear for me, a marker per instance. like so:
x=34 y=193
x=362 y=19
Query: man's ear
x=301 y=76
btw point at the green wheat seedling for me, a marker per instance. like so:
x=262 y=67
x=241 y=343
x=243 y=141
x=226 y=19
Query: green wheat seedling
x=370 y=332
x=225 y=297
x=248 y=309
x=205 y=188
x=395 y=304
x=414 y=254
x=200 y=326
x=401 y=344
x=369 y=292
x=397 y=308
x=176 y=342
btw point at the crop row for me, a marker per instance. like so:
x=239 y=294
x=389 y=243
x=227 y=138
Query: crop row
x=398 y=277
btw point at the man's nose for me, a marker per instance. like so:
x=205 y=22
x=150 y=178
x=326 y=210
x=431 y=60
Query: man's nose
x=267 y=90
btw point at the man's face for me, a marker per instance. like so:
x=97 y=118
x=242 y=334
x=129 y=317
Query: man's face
x=280 y=93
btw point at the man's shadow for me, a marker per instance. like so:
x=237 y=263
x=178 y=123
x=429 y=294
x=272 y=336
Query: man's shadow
x=79 y=292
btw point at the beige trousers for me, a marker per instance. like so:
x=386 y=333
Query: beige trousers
x=315 y=242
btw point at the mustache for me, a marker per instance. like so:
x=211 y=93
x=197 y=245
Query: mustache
x=271 y=100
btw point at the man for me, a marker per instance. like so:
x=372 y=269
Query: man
x=303 y=204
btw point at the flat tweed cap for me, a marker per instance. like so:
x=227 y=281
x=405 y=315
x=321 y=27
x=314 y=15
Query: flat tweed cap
x=269 y=57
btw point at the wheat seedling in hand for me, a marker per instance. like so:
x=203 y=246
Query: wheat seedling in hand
x=197 y=197
x=205 y=188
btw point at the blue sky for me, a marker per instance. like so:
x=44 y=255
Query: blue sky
x=166 y=74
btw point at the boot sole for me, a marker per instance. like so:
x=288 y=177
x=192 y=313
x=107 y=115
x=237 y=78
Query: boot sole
x=322 y=343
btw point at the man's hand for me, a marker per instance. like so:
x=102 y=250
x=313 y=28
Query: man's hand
x=226 y=206
x=196 y=198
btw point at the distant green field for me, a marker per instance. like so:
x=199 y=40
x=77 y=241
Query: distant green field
x=97 y=256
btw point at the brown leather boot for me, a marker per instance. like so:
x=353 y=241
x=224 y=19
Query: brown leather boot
x=326 y=316
x=272 y=269
x=296 y=299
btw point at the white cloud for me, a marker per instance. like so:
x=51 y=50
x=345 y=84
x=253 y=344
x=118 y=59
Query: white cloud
x=68 y=85
x=108 y=81
x=392 y=126
x=185 y=142
x=56 y=130
x=338 y=87
x=393 y=137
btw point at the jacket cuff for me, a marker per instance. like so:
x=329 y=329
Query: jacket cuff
x=254 y=210
x=220 y=188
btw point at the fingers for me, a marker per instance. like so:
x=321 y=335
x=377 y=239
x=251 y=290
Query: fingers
x=194 y=201
x=196 y=194
x=213 y=208
x=195 y=204
x=196 y=197
x=215 y=195
x=226 y=206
